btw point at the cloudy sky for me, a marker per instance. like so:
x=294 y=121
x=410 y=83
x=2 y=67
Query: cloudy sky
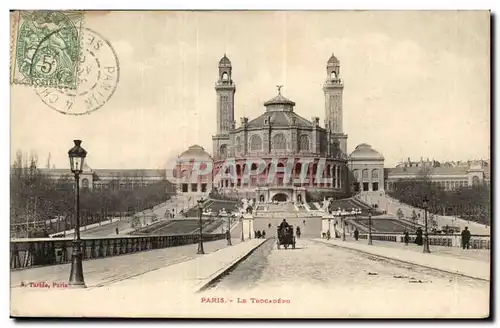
x=416 y=83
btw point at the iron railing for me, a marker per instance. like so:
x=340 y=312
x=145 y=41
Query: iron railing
x=27 y=253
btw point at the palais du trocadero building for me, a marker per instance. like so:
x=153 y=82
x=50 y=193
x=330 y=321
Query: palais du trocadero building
x=280 y=135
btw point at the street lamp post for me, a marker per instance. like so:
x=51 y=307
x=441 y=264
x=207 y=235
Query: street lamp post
x=76 y=159
x=200 y=214
x=425 y=204
x=242 y=234
x=343 y=225
x=228 y=233
x=370 y=227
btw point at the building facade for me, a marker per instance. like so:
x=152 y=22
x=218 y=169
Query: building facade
x=278 y=155
x=367 y=169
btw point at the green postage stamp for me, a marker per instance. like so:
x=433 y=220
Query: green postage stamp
x=45 y=48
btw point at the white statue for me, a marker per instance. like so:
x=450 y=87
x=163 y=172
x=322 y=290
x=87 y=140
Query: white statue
x=325 y=205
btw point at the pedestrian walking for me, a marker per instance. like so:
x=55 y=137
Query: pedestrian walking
x=407 y=238
x=116 y=230
x=328 y=235
x=465 y=238
x=356 y=234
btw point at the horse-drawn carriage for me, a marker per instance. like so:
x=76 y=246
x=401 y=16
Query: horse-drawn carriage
x=286 y=237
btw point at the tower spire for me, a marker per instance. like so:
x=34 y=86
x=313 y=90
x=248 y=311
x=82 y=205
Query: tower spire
x=333 y=89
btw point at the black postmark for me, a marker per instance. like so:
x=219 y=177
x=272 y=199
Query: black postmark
x=98 y=77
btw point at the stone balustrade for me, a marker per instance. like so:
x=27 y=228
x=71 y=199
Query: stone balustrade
x=26 y=253
x=450 y=240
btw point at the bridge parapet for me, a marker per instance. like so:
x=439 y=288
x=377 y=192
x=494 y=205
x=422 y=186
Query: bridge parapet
x=34 y=252
x=450 y=240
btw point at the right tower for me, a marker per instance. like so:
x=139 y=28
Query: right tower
x=333 y=89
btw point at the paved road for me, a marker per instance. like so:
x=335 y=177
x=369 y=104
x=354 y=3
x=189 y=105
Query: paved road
x=318 y=265
x=310 y=228
x=327 y=281
x=113 y=269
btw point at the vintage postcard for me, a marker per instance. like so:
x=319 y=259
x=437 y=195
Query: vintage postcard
x=250 y=164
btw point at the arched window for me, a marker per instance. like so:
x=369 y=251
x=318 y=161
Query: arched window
x=238 y=145
x=475 y=181
x=375 y=174
x=333 y=75
x=225 y=76
x=304 y=143
x=279 y=142
x=85 y=183
x=355 y=174
x=223 y=151
x=255 y=142
x=365 y=175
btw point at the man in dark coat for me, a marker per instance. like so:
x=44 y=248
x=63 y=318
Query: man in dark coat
x=418 y=239
x=284 y=224
x=465 y=238
x=356 y=234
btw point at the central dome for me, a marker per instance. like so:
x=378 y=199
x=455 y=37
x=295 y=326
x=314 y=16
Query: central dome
x=279 y=100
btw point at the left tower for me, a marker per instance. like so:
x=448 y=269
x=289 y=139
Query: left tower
x=225 y=90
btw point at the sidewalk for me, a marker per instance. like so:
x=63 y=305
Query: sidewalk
x=103 y=271
x=169 y=291
x=482 y=255
x=439 y=258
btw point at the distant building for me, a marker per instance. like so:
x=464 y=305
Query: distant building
x=449 y=175
x=109 y=179
x=367 y=169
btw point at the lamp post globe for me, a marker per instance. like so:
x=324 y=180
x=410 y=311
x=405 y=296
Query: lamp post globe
x=425 y=205
x=76 y=160
x=200 y=237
